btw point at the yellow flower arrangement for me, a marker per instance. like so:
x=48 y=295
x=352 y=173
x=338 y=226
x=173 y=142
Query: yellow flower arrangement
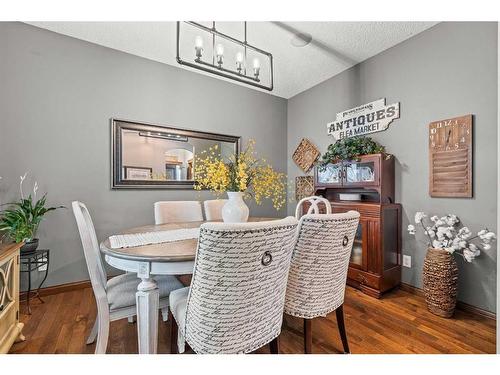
x=242 y=172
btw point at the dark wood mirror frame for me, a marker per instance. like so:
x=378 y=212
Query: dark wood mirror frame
x=117 y=125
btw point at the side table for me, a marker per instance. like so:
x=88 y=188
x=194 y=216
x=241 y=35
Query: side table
x=31 y=262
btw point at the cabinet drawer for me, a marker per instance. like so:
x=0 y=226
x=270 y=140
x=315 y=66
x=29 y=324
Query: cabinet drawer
x=364 y=278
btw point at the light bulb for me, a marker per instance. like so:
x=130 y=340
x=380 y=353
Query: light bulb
x=239 y=62
x=239 y=57
x=220 y=50
x=198 y=47
x=198 y=42
x=256 y=69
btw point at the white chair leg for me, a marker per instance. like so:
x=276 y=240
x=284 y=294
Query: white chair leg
x=102 y=331
x=93 y=332
x=164 y=314
x=181 y=343
x=131 y=319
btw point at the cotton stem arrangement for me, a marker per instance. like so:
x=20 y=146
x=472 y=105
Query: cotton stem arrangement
x=448 y=234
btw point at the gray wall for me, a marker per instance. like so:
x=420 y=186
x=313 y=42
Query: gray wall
x=446 y=71
x=57 y=95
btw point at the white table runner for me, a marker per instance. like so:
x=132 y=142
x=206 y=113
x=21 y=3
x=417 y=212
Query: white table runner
x=149 y=238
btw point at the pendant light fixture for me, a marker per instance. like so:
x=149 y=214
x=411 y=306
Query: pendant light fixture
x=246 y=66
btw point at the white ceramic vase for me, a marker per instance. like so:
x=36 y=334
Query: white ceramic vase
x=235 y=210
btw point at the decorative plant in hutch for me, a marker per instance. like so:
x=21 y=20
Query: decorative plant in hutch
x=446 y=238
x=341 y=161
x=351 y=149
x=21 y=220
x=239 y=175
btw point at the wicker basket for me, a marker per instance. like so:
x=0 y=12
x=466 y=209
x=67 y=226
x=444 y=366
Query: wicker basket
x=440 y=281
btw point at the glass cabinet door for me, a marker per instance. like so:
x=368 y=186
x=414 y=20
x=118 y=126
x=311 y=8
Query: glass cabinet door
x=356 y=258
x=362 y=173
x=330 y=174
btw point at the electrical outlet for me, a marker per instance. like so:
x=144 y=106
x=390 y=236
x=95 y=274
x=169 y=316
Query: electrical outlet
x=407 y=261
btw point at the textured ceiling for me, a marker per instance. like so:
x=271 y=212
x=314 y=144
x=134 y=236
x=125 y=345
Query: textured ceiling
x=335 y=46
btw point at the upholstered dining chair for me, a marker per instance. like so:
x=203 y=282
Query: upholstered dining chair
x=177 y=211
x=314 y=202
x=213 y=209
x=235 y=302
x=115 y=297
x=318 y=271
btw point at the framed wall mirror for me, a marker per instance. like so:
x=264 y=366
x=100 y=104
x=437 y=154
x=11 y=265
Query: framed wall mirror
x=149 y=156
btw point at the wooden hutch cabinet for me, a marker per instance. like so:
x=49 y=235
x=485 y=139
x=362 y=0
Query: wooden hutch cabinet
x=375 y=264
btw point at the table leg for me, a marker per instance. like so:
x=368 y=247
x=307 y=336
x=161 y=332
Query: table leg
x=148 y=300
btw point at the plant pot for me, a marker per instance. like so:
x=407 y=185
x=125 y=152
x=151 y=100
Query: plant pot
x=440 y=282
x=235 y=210
x=30 y=246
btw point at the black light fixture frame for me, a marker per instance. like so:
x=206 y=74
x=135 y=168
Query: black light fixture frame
x=220 y=71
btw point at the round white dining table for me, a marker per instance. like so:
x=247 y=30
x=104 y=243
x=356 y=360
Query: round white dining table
x=168 y=258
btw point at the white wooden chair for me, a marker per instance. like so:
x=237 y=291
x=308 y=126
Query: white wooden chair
x=314 y=207
x=318 y=271
x=213 y=209
x=115 y=297
x=177 y=211
x=235 y=302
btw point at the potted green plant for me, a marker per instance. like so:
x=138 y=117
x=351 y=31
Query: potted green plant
x=20 y=221
x=351 y=149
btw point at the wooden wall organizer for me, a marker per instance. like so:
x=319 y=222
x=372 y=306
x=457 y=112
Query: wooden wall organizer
x=305 y=155
x=304 y=187
x=450 y=157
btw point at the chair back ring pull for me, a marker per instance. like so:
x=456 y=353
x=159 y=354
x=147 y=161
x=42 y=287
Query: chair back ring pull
x=267 y=258
x=345 y=241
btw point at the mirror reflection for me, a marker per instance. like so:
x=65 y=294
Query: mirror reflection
x=152 y=155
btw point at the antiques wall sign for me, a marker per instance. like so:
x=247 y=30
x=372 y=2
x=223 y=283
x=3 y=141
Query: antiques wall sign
x=369 y=118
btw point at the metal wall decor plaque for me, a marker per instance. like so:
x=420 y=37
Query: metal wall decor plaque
x=368 y=118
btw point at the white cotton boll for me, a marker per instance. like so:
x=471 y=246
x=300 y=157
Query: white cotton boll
x=451 y=250
x=468 y=255
x=434 y=218
x=411 y=229
x=490 y=236
x=419 y=216
x=464 y=233
x=482 y=232
x=437 y=244
x=473 y=249
x=486 y=246
x=431 y=233
x=462 y=244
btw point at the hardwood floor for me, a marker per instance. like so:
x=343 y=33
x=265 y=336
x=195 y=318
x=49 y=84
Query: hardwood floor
x=397 y=323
